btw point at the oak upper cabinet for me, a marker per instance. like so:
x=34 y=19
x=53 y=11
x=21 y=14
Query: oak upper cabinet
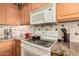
x=2 y=13
x=12 y=15
x=67 y=11
x=25 y=15
x=43 y=5
x=36 y=6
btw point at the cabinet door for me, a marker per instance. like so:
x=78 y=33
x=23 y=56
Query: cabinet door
x=6 y=53
x=44 y=5
x=17 y=47
x=6 y=48
x=67 y=11
x=12 y=15
x=25 y=15
x=35 y=6
x=2 y=13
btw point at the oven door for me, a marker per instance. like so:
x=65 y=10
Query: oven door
x=25 y=52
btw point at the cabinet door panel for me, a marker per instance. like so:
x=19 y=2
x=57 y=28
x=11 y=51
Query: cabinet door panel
x=12 y=16
x=9 y=14
x=44 y=5
x=22 y=21
x=35 y=6
x=25 y=15
x=67 y=11
x=2 y=13
x=17 y=47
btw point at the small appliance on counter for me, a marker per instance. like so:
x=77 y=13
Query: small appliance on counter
x=66 y=36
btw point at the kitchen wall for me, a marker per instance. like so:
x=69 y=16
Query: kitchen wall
x=50 y=29
x=23 y=29
x=73 y=29
x=46 y=31
x=16 y=30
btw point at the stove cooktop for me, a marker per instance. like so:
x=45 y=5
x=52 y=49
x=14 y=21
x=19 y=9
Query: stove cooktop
x=42 y=42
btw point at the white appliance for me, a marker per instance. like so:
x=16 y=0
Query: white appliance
x=31 y=49
x=44 y=15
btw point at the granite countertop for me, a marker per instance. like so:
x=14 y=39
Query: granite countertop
x=66 y=49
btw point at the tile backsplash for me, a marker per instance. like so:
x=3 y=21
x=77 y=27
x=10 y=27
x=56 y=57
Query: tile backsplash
x=16 y=30
x=48 y=30
x=72 y=29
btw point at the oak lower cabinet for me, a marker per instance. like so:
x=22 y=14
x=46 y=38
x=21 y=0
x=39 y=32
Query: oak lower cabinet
x=67 y=11
x=10 y=48
x=25 y=15
x=17 y=48
x=6 y=48
x=7 y=53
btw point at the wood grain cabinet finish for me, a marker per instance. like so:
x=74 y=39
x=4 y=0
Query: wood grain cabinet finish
x=9 y=14
x=12 y=15
x=36 y=6
x=42 y=5
x=25 y=15
x=2 y=13
x=10 y=48
x=67 y=11
x=17 y=48
x=6 y=48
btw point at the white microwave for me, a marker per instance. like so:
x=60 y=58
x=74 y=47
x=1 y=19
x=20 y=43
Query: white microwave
x=44 y=15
